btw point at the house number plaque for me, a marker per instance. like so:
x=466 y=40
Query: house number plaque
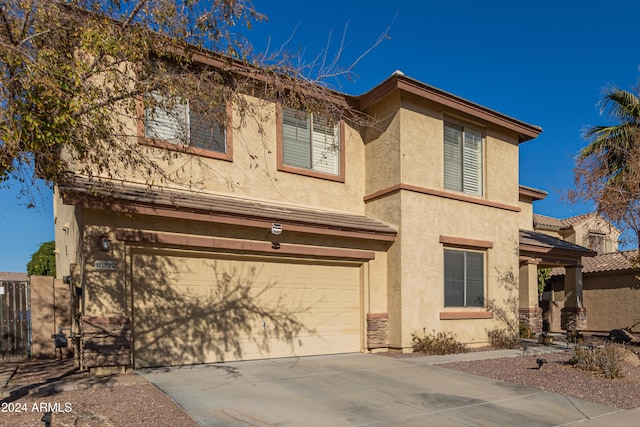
x=106 y=265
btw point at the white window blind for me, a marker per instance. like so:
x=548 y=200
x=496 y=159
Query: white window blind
x=310 y=142
x=167 y=121
x=452 y=157
x=463 y=278
x=296 y=134
x=174 y=122
x=462 y=159
x=472 y=163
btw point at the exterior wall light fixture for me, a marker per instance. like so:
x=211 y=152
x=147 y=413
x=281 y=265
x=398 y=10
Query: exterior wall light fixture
x=276 y=229
x=105 y=243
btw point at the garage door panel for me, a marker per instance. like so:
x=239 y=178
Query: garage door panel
x=206 y=309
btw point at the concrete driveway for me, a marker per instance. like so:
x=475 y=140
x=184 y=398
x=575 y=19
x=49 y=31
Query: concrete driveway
x=362 y=390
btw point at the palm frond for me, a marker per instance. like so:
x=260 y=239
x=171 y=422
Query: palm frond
x=620 y=105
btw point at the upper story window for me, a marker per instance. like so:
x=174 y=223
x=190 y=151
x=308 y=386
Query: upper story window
x=175 y=122
x=462 y=159
x=596 y=242
x=311 y=144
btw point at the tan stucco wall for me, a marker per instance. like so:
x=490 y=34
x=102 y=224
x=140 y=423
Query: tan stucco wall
x=68 y=234
x=50 y=309
x=525 y=221
x=528 y=278
x=596 y=225
x=410 y=151
x=416 y=272
x=389 y=209
x=611 y=300
x=382 y=150
x=422 y=136
x=501 y=167
x=424 y=220
x=253 y=171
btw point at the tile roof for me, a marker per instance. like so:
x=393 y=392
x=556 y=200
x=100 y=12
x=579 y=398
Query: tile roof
x=551 y=223
x=609 y=262
x=546 y=242
x=13 y=277
x=548 y=222
x=221 y=205
x=573 y=220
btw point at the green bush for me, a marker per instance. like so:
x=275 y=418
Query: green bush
x=525 y=331
x=436 y=343
x=608 y=360
x=502 y=338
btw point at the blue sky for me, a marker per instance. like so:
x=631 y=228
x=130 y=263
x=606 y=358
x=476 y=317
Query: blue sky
x=543 y=62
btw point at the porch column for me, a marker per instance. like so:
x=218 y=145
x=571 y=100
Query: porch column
x=573 y=315
x=529 y=312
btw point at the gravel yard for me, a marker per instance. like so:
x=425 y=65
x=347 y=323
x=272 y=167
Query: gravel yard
x=104 y=402
x=560 y=377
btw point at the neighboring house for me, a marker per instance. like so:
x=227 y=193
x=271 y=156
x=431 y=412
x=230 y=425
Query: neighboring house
x=588 y=230
x=611 y=292
x=343 y=239
x=611 y=289
x=539 y=248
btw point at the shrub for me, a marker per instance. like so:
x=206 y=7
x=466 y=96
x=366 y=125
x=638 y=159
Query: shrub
x=436 y=343
x=502 y=338
x=608 y=360
x=525 y=330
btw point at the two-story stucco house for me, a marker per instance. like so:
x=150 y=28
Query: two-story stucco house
x=336 y=239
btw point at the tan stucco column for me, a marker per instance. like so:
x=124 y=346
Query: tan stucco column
x=573 y=315
x=529 y=311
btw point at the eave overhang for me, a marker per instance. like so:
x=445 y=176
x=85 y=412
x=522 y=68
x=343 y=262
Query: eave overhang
x=401 y=82
x=140 y=199
x=550 y=249
x=533 y=193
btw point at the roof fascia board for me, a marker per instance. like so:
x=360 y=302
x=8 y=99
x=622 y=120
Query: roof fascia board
x=534 y=193
x=533 y=249
x=403 y=83
x=189 y=214
x=216 y=243
x=212 y=59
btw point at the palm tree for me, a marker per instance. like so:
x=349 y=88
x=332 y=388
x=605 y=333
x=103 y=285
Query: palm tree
x=608 y=168
x=614 y=144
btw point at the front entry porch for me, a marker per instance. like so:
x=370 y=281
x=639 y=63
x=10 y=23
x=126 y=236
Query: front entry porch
x=538 y=250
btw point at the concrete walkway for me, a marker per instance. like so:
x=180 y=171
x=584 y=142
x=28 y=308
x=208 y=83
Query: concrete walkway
x=370 y=390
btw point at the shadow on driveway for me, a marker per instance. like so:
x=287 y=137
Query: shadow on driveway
x=359 y=389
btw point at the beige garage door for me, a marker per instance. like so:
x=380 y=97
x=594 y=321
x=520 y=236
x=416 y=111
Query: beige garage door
x=190 y=308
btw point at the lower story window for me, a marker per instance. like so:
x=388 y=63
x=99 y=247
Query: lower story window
x=463 y=278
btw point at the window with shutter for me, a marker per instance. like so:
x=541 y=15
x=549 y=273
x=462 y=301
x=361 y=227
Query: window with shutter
x=310 y=142
x=463 y=278
x=462 y=159
x=174 y=122
x=596 y=242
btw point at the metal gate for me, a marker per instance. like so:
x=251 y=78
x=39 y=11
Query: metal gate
x=15 y=320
